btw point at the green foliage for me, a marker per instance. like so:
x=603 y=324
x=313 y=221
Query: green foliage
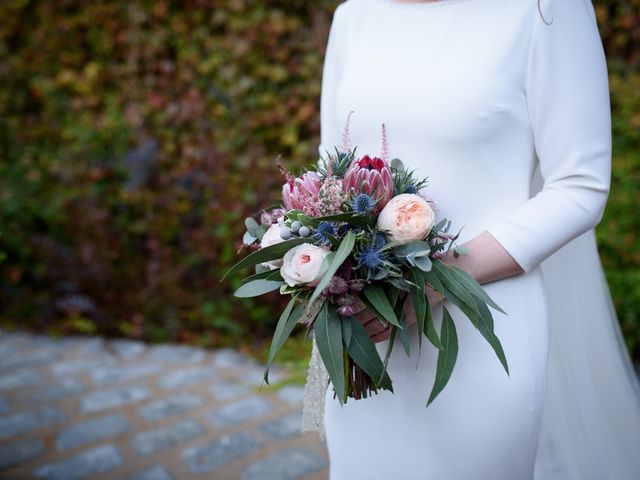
x=136 y=136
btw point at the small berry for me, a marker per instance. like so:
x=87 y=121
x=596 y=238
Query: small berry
x=304 y=231
x=295 y=226
x=285 y=233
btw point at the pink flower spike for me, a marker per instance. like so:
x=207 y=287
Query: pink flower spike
x=346 y=141
x=385 y=144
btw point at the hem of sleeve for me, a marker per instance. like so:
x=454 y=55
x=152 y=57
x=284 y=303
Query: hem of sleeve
x=501 y=235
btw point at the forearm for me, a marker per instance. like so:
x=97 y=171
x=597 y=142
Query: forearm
x=486 y=261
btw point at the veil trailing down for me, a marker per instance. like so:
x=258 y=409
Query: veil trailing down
x=591 y=416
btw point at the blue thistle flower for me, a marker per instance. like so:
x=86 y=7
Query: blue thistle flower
x=362 y=203
x=369 y=258
x=349 y=227
x=411 y=189
x=324 y=229
x=380 y=240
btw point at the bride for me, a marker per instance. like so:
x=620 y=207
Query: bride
x=504 y=105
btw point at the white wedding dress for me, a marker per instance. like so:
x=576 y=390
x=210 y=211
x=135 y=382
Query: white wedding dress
x=483 y=97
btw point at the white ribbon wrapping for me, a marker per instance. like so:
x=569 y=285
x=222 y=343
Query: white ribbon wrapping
x=314 y=394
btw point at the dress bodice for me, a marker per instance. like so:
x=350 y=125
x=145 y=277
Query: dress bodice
x=475 y=94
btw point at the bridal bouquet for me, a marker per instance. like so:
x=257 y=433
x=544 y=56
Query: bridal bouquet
x=359 y=232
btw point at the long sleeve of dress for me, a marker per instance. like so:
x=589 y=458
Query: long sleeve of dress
x=333 y=61
x=567 y=95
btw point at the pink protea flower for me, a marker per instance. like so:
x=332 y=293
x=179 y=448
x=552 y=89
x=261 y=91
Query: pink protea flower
x=371 y=176
x=298 y=192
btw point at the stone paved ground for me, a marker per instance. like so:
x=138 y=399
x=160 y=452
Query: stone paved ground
x=80 y=408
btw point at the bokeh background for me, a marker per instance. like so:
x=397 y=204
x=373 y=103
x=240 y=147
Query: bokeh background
x=135 y=136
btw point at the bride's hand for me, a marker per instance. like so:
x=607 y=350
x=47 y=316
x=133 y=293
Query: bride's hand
x=378 y=332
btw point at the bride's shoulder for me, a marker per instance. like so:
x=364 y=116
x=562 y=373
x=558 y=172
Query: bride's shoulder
x=352 y=7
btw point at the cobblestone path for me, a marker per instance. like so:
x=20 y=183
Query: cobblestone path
x=79 y=408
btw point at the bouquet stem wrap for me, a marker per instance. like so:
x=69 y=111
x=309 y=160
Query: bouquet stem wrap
x=314 y=394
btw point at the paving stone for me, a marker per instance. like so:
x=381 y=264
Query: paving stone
x=7 y=347
x=91 y=345
x=73 y=367
x=283 y=427
x=118 y=397
x=153 y=441
x=175 y=354
x=157 y=472
x=112 y=375
x=87 y=464
x=29 y=358
x=13 y=454
x=187 y=376
x=292 y=394
x=228 y=391
x=25 y=421
x=91 y=431
x=289 y=464
x=127 y=349
x=239 y=411
x=64 y=388
x=229 y=358
x=213 y=455
x=168 y=407
x=19 y=378
x=43 y=341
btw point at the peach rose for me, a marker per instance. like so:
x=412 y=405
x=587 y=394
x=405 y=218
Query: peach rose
x=407 y=217
x=302 y=264
x=272 y=237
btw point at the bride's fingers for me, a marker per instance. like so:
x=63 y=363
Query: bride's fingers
x=374 y=327
x=383 y=335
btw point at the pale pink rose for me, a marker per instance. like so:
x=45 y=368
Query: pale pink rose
x=407 y=217
x=302 y=265
x=272 y=237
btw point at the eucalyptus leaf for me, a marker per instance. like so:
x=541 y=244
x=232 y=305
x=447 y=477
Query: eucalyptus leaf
x=447 y=357
x=457 y=251
x=397 y=164
x=364 y=353
x=404 y=330
x=374 y=293
x=251 y=225
x=470 y=313
x=256 y=288
x=453 y=284
x=473 y=286
x=328 y=334
x=401 y=283
x=423 y=263
x=430 y=328
x=404 y=333
x=248 y=239
x=485 y=326
x=260 y=231
x=272 y=252
x=419 y=301
x=284 y=327
x=268 y=274
x=346 y=331
x=344 y=250
x=434 y=282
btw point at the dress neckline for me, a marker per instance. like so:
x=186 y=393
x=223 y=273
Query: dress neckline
x=418 y=5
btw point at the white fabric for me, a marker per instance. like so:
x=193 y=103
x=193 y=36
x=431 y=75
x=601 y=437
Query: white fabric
x=480 y=95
